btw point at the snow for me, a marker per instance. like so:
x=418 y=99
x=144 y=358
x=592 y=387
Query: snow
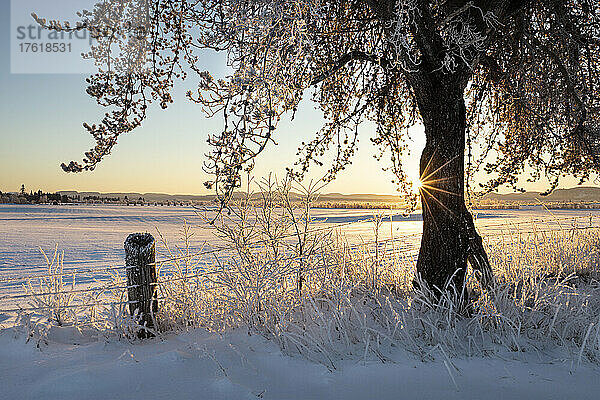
x=236 y=365
x=93 y=235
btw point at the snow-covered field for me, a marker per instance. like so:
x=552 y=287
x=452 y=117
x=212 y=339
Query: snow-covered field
x=94 y=235
x=542 y=347
x=200 y=365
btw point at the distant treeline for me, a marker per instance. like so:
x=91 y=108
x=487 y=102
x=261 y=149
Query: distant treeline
x=33 y=197
x=498 y=206
x=359 y=205
x=558 y=205
x=573 y=206
x=40 y=197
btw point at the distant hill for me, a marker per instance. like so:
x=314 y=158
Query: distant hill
x=576 y=194
x=162 y=197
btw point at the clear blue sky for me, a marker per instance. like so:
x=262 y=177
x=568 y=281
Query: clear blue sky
x=40 y=127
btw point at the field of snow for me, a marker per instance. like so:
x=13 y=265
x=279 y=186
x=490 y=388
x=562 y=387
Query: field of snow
x=237 y=366
x=549 y=356
x=94 y=235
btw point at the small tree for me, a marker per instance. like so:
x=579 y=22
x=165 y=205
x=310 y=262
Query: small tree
x=519 y=79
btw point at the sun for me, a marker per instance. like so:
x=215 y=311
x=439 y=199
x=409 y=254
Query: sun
x=418 y=185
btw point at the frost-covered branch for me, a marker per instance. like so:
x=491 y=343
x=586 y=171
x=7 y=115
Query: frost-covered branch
x=365 y=60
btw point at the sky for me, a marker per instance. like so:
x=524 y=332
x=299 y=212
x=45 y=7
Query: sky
x=41 y=116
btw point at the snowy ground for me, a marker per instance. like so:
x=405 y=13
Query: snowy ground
x=72 y=365
x=237 y=366
x=93 y=235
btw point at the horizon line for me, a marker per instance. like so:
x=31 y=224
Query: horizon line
x=241 y=191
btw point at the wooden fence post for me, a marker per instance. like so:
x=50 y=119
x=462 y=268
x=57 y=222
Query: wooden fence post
x=140 y=257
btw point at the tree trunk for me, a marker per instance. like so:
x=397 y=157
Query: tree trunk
x=449 y=234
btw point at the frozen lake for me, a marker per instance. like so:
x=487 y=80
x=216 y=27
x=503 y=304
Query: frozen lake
x=93 y=235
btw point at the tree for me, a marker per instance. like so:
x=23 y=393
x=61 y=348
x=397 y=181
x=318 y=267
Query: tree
x=516 y=80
